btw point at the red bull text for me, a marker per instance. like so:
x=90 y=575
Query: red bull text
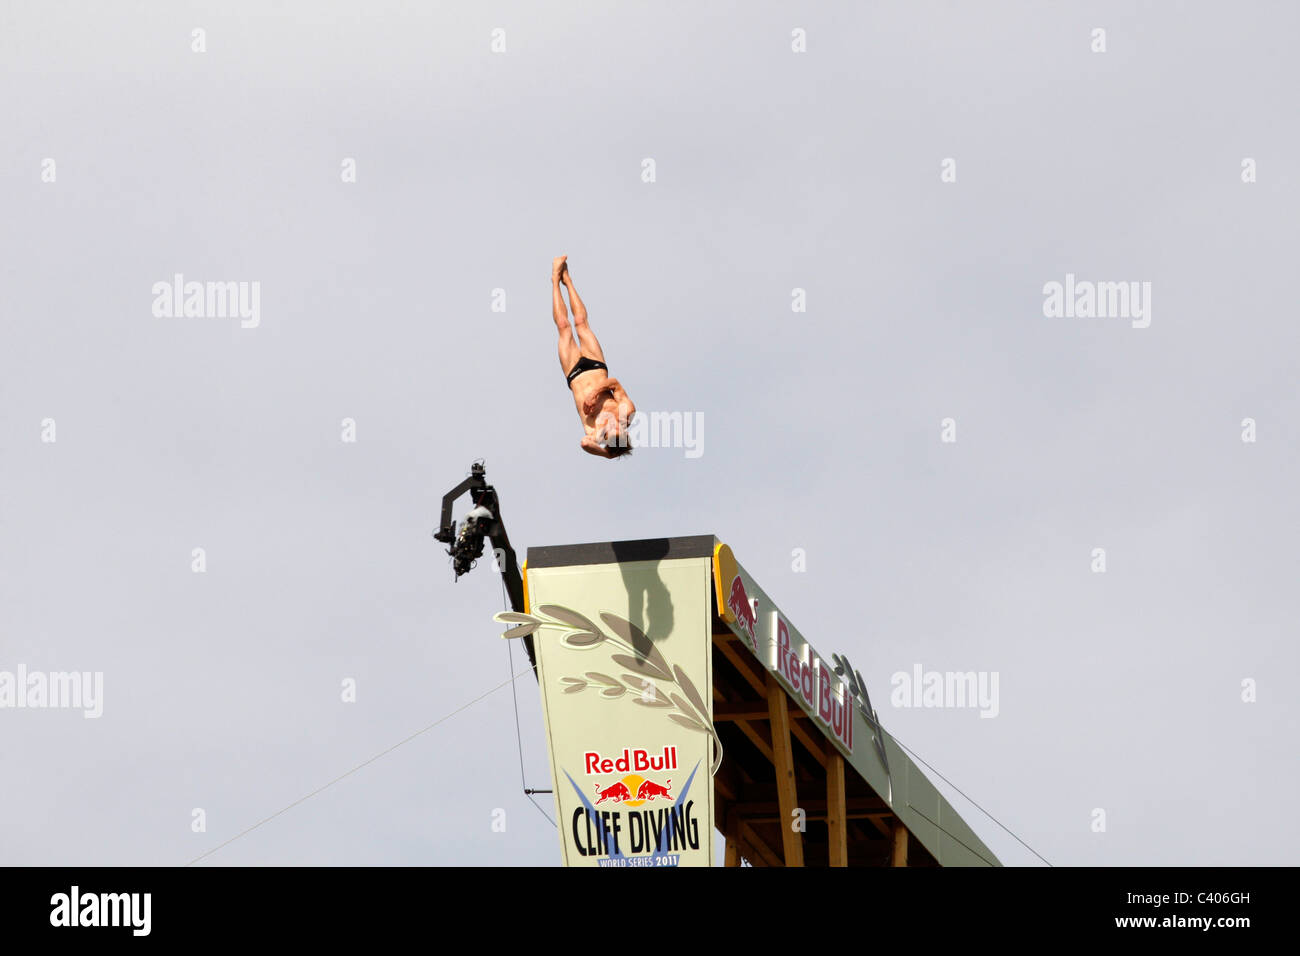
x=819 y=690
x=631 y=761
x=795 y=663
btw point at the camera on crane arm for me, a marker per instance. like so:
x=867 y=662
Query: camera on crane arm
x=483 y=522
x=468 y=547
x=467 y=544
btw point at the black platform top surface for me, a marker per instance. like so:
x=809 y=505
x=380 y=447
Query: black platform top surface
x=618 y=552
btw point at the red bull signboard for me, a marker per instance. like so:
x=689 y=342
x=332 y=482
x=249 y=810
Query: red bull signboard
x=834 y=695
x=624 y=634
x=625 y=670
x=774 y=641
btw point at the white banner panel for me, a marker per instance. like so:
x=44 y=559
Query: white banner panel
x=625 y=664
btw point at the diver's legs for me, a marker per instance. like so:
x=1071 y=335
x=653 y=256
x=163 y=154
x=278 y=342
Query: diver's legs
x=586 y=338
x=569 y=351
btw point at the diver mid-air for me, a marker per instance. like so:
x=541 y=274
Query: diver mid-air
x=602 y=404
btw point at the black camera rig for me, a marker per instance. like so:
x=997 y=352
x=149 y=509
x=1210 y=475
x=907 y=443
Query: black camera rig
x=483 y=522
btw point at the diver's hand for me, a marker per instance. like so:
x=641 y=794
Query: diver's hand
x=593 y=447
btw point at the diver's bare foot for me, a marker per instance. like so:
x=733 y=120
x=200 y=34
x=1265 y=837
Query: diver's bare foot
x=558 y=267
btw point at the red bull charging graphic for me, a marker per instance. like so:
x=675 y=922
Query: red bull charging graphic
x=745 y=610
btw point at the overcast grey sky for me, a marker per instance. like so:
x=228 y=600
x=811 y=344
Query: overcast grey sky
x=774 y=171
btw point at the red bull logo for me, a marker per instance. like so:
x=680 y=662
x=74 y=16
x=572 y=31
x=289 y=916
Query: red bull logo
x=617 y=792
x=649 y=790
x=738 y=602
x=634 y=790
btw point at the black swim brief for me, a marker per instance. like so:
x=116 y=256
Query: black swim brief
x=584 y=365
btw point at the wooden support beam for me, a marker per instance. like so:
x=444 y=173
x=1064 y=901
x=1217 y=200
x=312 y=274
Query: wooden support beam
x=860 y=831
x=734 y=849
x=724 y=711
x=837 y=820
x=755 y=735
x=725 y=782
x=766 y=812
x=762 y=853
x=767 y=793
x=899 y=855
x=783 y=763
x=807 y=737
x=749 y=845
x=749 y=669
x=744 y=662
x=744 y=711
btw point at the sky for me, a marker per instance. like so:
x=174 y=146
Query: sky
x=821 y=231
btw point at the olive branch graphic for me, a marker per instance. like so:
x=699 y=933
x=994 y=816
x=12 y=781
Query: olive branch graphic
x=646 y=662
